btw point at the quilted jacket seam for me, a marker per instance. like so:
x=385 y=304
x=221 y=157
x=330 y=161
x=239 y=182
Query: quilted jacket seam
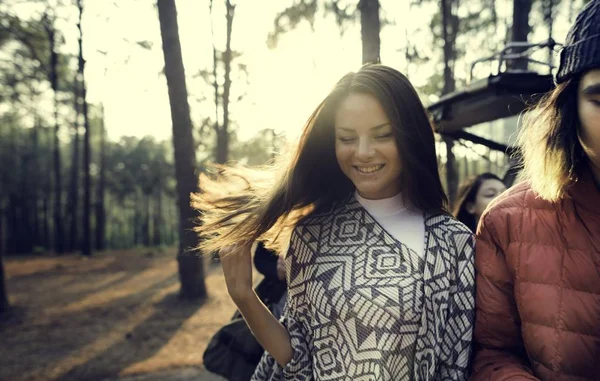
x=563 y=287
x=559 y=329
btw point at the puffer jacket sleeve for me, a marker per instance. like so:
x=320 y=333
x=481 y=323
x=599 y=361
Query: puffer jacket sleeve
x=455 y=353
x=500 y=353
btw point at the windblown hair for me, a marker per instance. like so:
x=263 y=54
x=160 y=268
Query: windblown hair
x=467 y=194
x=238 y=205
x=549 y=141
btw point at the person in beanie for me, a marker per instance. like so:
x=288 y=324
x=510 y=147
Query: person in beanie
x=538 y=245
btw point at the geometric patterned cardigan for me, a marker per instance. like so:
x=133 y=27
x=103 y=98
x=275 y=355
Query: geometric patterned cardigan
x=345 y=244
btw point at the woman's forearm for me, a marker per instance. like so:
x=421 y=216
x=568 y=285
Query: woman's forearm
x=269 y=332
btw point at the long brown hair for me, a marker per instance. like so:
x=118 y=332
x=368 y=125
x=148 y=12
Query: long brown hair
x=235 y=208
x=468 y=194
x=550 y=144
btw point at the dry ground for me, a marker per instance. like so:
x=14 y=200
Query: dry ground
x=115 y=316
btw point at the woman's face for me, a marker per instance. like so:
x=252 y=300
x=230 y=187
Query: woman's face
x=365 y=147
x=588 y=107
x=489 y=190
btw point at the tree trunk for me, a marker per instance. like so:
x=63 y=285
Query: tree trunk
x=100 y=197
x=223 y=133
x=136 y=220
x=548 y=11
x=12 y=231
x=47 y=197
x=36 y=189
x=451 y=172
x=216 y=125
x=370 y=27
x=157 y=224
x=449 y=31
x=58 y=220
x=4 y=304
x=2 y=232
x=191 y=269
x=146 y=223
x=46 y=224
x=26 y=229
x=86 y=244
x=73 y=202
x=520 y=29
x=26 y=233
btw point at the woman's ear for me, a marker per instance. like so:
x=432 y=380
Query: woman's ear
x=470 y=208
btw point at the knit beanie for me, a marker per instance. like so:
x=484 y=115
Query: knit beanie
x=581 y=51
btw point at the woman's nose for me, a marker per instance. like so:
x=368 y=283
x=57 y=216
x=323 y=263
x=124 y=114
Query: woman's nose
x=365 y=149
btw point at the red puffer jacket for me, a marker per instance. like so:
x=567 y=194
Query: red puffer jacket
x=538 y=287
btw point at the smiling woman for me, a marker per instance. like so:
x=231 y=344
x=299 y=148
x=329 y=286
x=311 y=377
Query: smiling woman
x=379 y=275
x=365 y=147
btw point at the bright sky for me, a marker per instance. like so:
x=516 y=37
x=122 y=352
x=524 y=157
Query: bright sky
x=285 y=84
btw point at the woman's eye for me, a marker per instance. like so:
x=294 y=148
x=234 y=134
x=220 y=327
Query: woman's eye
x=346 y=139
x=384 y=136
x=595 y=101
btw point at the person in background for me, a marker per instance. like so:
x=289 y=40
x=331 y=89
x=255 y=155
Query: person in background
x=475 y=195
x=538 y=245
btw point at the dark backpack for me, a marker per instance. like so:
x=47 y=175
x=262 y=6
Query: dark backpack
x=233 y=352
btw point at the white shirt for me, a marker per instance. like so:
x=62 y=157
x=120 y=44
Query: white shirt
x=407 y=226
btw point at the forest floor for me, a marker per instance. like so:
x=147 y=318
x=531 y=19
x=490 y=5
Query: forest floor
x=114 y=316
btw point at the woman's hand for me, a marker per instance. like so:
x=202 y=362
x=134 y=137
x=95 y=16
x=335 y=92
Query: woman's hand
x=236 y=262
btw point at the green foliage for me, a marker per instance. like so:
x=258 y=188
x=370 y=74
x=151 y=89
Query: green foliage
x=258 y=150
x=290 y=17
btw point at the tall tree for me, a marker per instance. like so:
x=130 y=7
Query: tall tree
x=100 y=196
x=450 y=23
x=223 y=135
x=4 y=304
x=520 y=29
x=48 y=22
x=37 y=173
x=35 y=60
x=306 y=9
x=73 y=201
x=158 y=219
x=548 y=10
x=222 y=130
x=370 y=27
x=191 y=269
x=86 y=244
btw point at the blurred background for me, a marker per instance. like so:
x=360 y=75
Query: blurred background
x=110 y=109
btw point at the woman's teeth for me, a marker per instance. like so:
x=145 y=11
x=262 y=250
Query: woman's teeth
x=369 y=169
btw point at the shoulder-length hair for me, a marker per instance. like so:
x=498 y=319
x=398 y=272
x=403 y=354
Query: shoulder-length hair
x=550 y=144
x=467 y=194
x=236 y=208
